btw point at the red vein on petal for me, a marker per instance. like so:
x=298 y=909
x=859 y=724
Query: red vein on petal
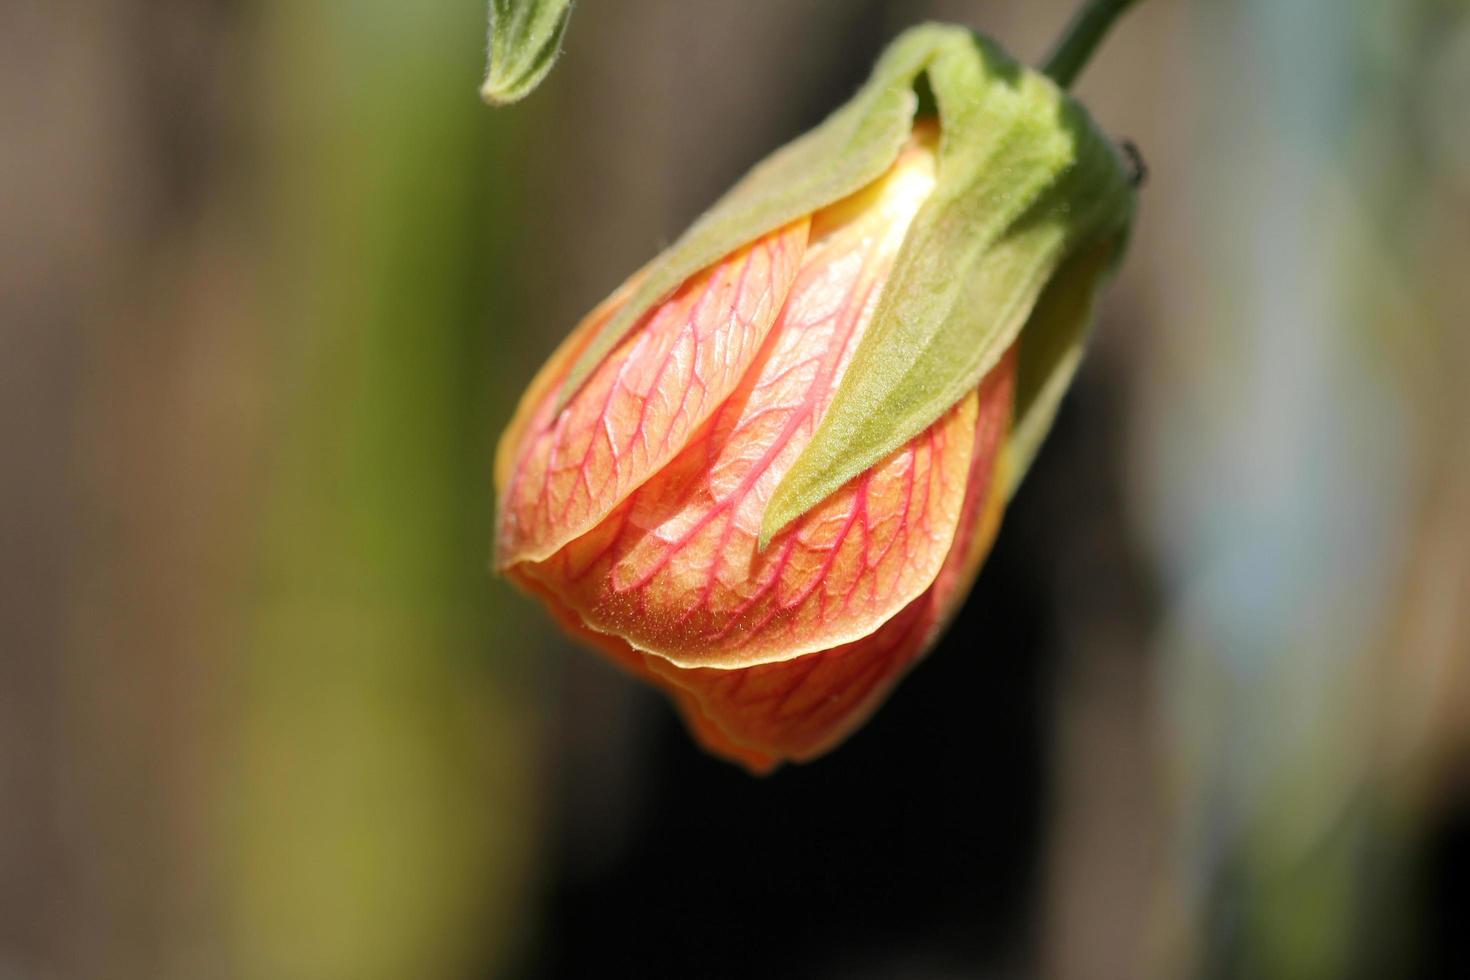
x=573 y=468
x=817 y=392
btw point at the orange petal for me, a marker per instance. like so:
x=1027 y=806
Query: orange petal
x=548 y=380
x=675 y=569
x=798 y=709
x=642 y=404
x=795 y=710
x=986 y=496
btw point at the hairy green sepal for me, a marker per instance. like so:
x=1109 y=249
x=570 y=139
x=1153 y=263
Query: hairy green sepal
x=525 y=40
x=1026 y=182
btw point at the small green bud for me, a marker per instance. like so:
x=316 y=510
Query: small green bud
x=525 y=41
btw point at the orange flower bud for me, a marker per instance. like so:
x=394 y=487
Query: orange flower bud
x=634 y=509
x=766 y=470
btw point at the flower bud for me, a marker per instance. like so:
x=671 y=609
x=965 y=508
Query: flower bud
x=763 y=474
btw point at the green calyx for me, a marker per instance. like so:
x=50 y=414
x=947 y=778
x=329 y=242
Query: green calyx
x=1029 y=213
x=525 y=40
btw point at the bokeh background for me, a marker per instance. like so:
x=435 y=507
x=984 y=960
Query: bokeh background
x=272 y=278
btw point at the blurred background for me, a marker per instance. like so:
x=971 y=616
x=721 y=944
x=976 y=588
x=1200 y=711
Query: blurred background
x=271 y=278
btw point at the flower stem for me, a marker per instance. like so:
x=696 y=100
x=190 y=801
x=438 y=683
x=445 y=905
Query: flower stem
x=1081 y=38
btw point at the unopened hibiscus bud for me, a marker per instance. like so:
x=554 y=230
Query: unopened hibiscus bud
x=764 y=473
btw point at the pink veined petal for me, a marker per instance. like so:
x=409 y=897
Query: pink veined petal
x=675 y=571
x=640 y=407
x=798 y=709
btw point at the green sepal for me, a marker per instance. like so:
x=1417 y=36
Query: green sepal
x=1025 y=180
x=525 y=41
x=850 y=149
x=1051 y=348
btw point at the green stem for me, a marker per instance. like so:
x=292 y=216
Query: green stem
x=1081 y=38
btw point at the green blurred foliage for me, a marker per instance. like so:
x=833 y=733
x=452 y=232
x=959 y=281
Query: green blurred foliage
x=383 y=810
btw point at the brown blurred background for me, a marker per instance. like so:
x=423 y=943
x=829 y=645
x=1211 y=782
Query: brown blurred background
x=270 y=280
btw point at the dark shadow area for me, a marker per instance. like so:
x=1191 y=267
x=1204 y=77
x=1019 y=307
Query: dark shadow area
x=1445 y=897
